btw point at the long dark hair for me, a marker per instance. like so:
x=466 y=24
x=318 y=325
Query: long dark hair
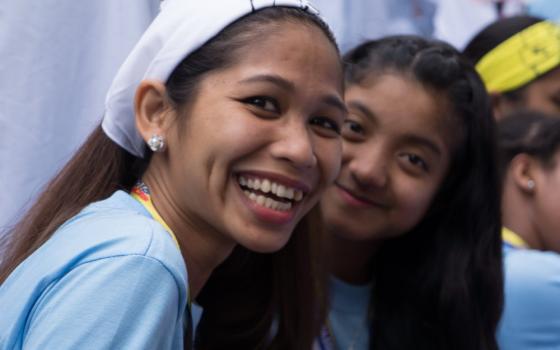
x=493 y=35
x=287 y=295
x=439 y=286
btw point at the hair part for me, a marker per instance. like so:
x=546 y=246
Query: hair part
x=439 y=286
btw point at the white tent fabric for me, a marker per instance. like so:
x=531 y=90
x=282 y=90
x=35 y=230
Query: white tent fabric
x=357 y=20
x=457 y=21
x=57 y=60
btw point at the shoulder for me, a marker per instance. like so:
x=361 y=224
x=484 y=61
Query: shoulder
x=531 y=271
x=118 y=225
x=532 y=304
x=111 y=248
x=113 y=228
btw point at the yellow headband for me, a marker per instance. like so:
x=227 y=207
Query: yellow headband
x=521 y=58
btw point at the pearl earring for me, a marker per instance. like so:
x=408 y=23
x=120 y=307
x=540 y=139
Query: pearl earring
x=530 y=184
x=156 y=143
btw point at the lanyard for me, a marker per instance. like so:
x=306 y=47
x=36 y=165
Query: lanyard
x=512 y=239
x=141 y=193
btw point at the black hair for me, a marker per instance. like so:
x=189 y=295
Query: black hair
x=440 y=285
x=530 y=132
x=281 y=281
x=493 y=35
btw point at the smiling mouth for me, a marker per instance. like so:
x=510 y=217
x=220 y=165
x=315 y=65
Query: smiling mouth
x=269 y=193
x=360 y=199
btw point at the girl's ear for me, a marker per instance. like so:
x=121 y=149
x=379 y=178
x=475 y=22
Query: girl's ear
x=524 y=170
x=152 y=109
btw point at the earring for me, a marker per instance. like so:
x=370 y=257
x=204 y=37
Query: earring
x=156 y=143
x=530 y=184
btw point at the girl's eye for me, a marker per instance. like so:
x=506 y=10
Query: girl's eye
x=266 y=103
x=353 y=127
x=353 y=131
x=415 y=160
x=327 y=124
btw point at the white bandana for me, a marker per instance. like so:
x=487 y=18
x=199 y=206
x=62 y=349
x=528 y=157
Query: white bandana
x=181 y=27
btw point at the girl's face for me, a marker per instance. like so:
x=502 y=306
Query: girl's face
x=395 y=156
x=547 y=204
x=260 y=141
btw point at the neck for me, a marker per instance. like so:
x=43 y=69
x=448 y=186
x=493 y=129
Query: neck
x=517 y=216
x=350 y=261
x=202 y=247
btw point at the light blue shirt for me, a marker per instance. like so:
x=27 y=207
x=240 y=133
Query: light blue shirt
x=348 y=316
x=109 y=278
x=531 y=318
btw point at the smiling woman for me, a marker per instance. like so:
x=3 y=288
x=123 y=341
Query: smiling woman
x=240 y=107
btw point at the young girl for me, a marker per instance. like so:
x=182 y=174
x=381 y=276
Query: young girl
x=529 y=144
x=240 y=106
x=412 y=221
x=519 y=60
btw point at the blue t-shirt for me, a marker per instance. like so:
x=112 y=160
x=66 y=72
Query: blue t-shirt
x=109 y=278
x=531 y=318
x=348 y=317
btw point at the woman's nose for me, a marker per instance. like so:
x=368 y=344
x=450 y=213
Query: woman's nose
x=295 y=144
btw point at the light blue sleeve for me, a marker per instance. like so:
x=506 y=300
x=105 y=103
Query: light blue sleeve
x=122 y=302
x=531 y=318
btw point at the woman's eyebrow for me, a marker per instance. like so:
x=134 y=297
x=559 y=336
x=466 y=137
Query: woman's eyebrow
x=271 y=78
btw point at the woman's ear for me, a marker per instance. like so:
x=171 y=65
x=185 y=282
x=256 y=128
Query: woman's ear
x=524 y=170
x=152 y=109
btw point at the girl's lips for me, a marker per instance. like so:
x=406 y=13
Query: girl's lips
x=357 y=201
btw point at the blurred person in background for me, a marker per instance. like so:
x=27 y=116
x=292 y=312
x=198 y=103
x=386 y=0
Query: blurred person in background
x=529 y=144
x=519 y=60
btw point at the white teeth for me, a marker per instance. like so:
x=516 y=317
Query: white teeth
x=281 y=191
x=268 y=202
x=265 y=186
x=242 y=181
x=289 y=193
x=268 y=186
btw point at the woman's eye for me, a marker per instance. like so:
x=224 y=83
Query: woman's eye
x=266 y=103
x=326 y=123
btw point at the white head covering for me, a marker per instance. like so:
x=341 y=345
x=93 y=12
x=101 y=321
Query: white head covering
x=181 y=27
